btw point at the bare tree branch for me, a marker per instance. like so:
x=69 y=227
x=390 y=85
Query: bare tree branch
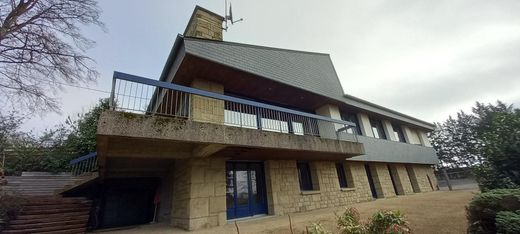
x=40 y=40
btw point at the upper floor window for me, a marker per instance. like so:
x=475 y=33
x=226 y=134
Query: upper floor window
x=377 y=128
x=352 y=118
x=398 y=133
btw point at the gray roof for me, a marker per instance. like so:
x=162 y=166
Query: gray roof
x=310 y=71
x=313 y=72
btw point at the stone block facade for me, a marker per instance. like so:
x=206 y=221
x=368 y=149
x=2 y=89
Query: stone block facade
x=401 y=179
x=382 y=180
x=198 y=199
x=205 y=109
x=205 y=24
x=284 y=194
x=199 y=196
x=424 y=180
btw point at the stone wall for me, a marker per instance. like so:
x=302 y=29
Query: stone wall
x=382 y=180
x=284 y=195
x=422 y=173
x=205 y=109
x=199 y=193
x=205 y=24
x=402 y=181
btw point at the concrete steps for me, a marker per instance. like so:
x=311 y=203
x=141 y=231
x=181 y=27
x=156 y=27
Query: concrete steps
x=39 y=183
x=51 y=214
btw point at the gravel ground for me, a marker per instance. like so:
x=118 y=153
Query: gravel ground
x=434 y=212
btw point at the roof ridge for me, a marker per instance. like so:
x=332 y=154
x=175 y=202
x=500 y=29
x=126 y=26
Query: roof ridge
x=253 y=46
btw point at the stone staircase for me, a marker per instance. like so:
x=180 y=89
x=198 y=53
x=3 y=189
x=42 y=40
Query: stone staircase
x=39 y=183
x=51 y=214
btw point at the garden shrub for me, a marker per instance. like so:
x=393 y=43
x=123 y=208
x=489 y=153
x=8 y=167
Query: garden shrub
x=508 y=222
x=382 y=222
x=348 y=222
x=484 y=207
x=388 y=222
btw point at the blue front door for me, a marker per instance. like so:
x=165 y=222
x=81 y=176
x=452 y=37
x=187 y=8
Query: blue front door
x=245 y=189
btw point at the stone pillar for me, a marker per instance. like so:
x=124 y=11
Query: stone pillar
x=203 y=109
x=199 y=193
x=327 y=129
x=204 y=24
x=382 y=180
x=402 y=182
x=424 y=139
x=366 y=127
x=389 y=130
x=411 y=135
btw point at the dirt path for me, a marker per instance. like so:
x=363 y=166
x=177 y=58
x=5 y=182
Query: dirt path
x=434 y=212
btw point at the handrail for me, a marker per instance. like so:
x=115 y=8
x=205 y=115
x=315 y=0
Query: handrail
x=84 y=164
x=166 y=85
x=84 y=157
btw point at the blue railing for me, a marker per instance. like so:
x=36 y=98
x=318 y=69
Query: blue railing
x=84 y=164
x=146 y=96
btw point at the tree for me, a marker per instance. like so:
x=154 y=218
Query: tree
x=458 y=140
x=84 y=128
x=501 y=151
x=41 y=48
x=54 y=148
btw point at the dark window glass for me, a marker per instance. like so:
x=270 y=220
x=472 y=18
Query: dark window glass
x=341 y=175
x=398 y=132
x=352 y=118
x=305 y=177
x=377 y=128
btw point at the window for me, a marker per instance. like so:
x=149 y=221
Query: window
x=398 y=133
x=340 y=169
x=352 y=118
x=304 y=173
x=377 y=128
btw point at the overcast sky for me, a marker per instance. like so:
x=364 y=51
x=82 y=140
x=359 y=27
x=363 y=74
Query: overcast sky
x=427 y=59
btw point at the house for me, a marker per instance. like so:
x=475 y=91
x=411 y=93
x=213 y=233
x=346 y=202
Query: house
x=232 y=131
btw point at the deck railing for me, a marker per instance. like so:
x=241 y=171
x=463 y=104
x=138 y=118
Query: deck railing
x=151 y=97
x=84 y=164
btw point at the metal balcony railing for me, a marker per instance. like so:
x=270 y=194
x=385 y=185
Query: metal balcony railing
x=84 y=164
x=151 y=97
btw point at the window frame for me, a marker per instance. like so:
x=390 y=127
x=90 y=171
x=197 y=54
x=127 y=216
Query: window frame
x=352 y=117
x=399 y=133
x=305 y=179
x=377 y=124
x=342 y=175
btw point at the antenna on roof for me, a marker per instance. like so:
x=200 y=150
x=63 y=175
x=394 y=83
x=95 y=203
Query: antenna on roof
x=229 y=16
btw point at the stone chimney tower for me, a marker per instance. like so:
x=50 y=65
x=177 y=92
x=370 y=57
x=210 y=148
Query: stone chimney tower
x=204 y=24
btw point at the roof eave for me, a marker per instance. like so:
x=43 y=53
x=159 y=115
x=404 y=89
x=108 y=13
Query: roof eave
x=171 y=57
x=406 y=118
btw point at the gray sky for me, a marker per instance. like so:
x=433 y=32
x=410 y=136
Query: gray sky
x=427 y=59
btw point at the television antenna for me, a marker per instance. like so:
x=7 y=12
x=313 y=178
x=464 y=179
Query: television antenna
x=229 y=16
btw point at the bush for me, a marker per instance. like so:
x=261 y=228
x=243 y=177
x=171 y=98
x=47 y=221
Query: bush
x=508 y=222
x=381 y=222
x=483 y=209
x=348 y=222
x=489 y=178
x=388 y=222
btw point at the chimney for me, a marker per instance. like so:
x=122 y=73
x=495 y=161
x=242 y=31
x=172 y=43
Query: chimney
x=204 y=24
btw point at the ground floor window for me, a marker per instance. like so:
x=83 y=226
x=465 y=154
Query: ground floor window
x=340 y=169
x=305 y=176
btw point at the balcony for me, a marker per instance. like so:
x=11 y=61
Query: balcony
x=154 y=119
x=380 y=150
